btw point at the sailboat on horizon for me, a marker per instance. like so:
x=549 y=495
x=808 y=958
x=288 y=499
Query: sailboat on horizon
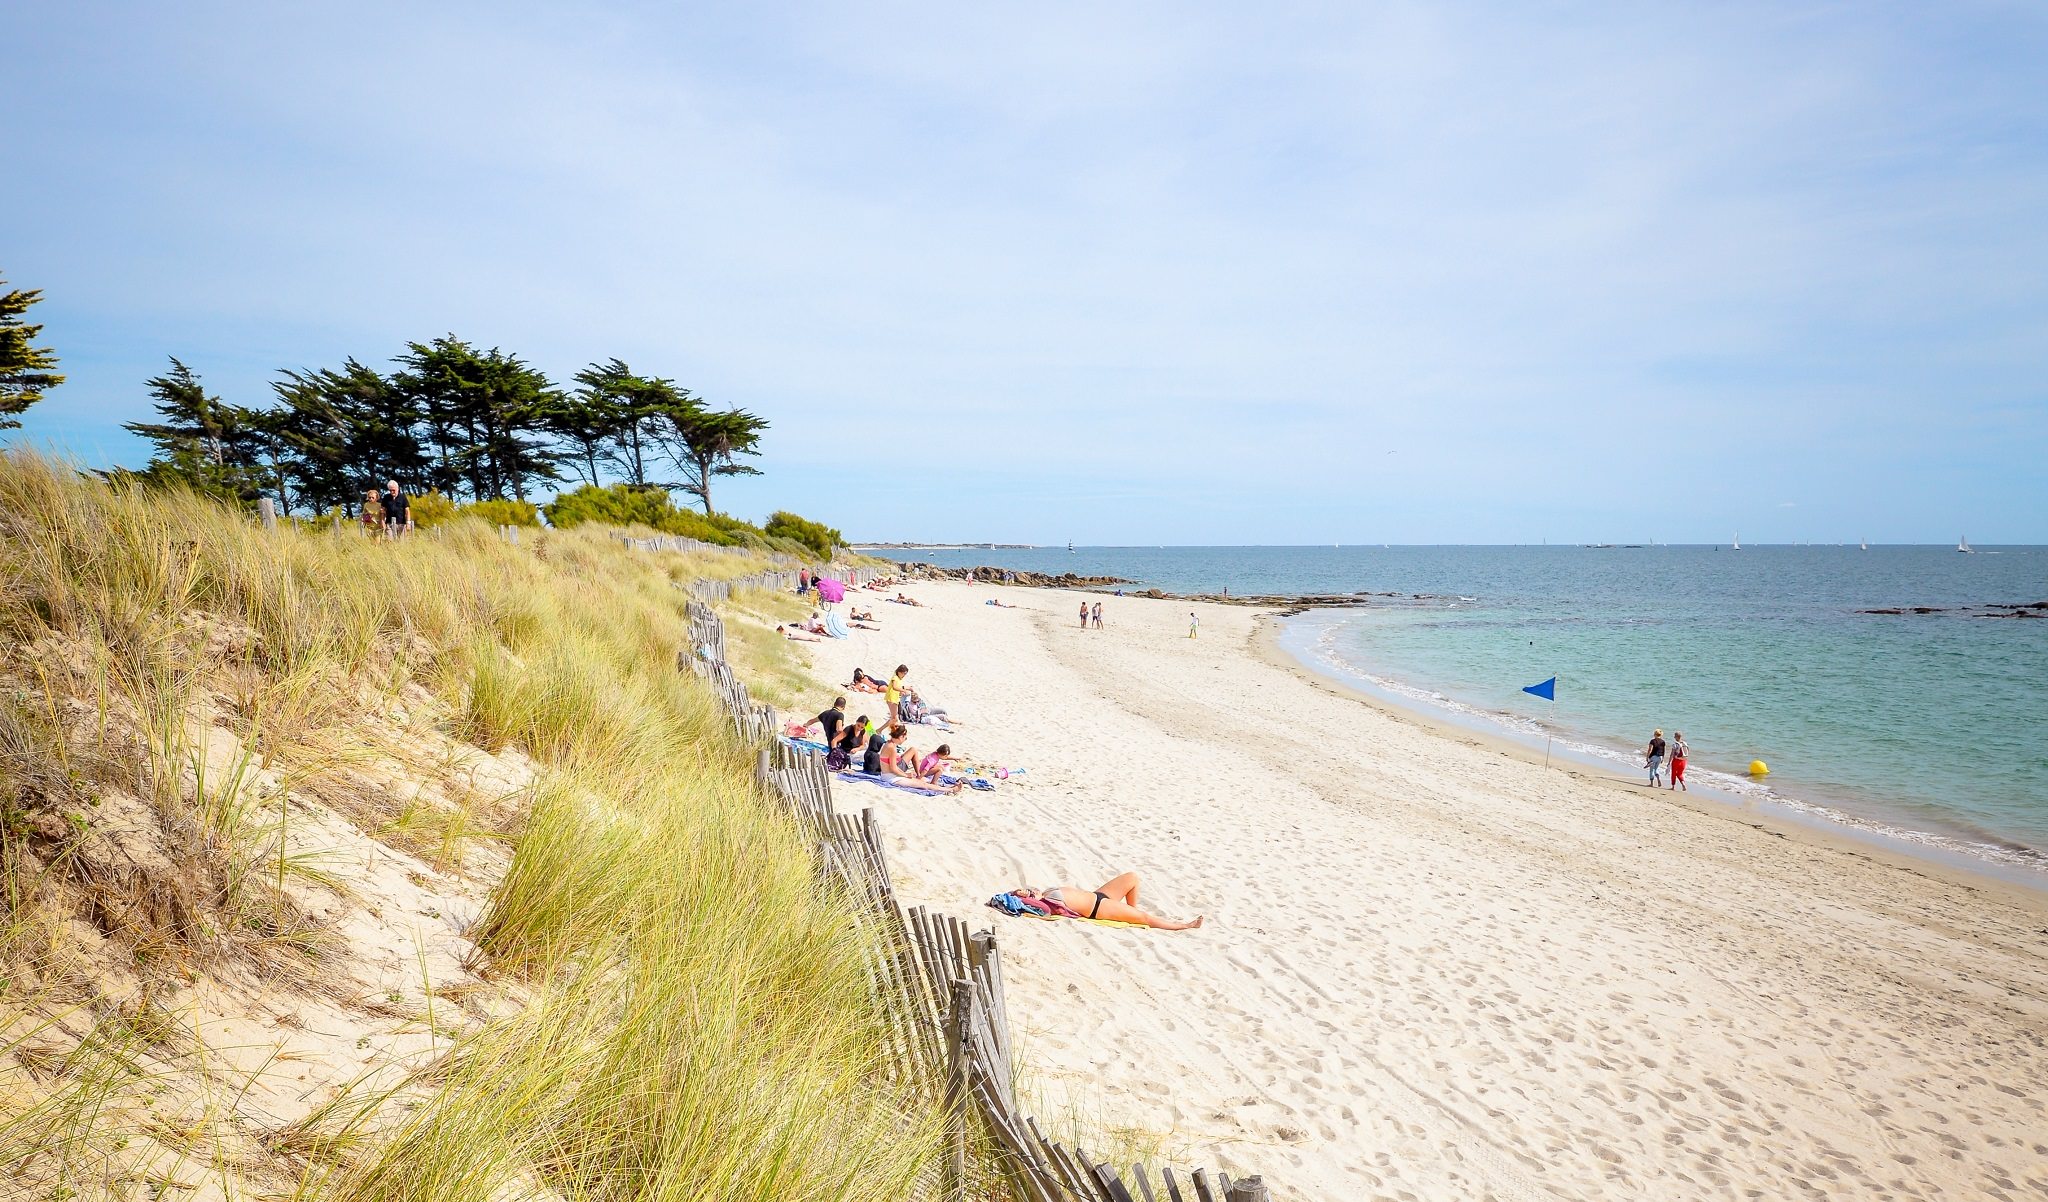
x=1864 y=545
x=1963 y=545
x=1738 y=541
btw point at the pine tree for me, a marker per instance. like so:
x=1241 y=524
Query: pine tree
x=701 y=444
x=483 y=411
x=203 y=442
x=24 y=368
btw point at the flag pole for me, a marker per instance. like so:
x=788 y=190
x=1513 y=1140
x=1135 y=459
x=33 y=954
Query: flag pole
x=1549 y=734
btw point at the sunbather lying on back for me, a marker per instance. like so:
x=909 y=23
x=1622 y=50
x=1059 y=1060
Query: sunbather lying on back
x=798 y=635
x=1116 y=900
x=863 y=683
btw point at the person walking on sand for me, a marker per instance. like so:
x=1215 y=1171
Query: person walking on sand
x=1678 y=753
x=1098 y=615
x=1194 y=625
x=1653 y=757
x=397 y=510
x=1084 y=615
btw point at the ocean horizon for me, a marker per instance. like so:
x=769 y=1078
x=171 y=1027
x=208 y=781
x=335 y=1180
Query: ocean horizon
x=1924 y=730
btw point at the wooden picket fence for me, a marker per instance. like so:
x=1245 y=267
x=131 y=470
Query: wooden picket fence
x=941 y=984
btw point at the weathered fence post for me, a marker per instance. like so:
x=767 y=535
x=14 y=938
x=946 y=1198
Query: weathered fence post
x=268 y=508
x=1251 y=1189
x=337 y=520
x=959 y=1041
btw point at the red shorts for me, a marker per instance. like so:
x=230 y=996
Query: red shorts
x=1677 y=770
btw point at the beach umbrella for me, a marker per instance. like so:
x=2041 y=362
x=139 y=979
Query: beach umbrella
x=830 y=589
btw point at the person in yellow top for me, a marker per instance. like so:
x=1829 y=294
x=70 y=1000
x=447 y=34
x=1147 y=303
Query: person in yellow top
x=893 y=692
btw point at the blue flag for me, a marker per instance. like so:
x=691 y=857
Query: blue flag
x=1547 y=690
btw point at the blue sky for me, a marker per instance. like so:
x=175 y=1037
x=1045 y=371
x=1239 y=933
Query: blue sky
x=1148 y=273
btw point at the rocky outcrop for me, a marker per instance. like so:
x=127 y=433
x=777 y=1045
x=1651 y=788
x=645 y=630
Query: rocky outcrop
x=2026 y=609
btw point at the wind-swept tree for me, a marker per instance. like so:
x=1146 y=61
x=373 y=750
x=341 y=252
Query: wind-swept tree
x=202 y=441
x=347 y=431
x=631 y=411
x=585 y=420
x=484 y=411
x=24 y=367
x=701 y=443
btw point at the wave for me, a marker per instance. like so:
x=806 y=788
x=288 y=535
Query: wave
x=1327 y=657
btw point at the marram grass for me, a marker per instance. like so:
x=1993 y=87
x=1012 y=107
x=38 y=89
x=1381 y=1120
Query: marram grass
x=696 y=1021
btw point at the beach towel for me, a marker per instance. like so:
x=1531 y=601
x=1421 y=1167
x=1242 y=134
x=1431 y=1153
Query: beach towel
x=834 y=625
x=892 y=782
x=972 y=782
x=806 y=745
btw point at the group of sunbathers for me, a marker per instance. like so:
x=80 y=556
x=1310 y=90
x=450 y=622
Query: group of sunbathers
x=883 y=752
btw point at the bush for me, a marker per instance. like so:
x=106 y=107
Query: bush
x=500 y=513
x=627 y=505
x=819 y=538
x=618 y=505
x=431 y=509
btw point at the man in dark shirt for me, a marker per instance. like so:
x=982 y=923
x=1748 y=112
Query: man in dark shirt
x=397 y=510
x=831 y=720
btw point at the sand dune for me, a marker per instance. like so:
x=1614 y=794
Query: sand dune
x=1432 y=969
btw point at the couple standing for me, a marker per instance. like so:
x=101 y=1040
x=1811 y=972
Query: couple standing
x=1653 y=758
x=1086 y=613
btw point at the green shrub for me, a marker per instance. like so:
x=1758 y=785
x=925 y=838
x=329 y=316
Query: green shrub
x=819 y=538
x=501 y=513
x=431 y=509
x=618 y=505
x=627 y=505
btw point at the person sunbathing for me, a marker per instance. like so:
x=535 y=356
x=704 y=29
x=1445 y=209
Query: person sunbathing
x=1115 y=901
x=999 y=604
x=817 y=623
x=863 y=683
x=900 y=599
x=869 y=616
x=797 y=635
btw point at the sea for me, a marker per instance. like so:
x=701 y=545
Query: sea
x=1924 y=731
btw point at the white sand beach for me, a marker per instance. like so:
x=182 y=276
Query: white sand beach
x=1431 y=968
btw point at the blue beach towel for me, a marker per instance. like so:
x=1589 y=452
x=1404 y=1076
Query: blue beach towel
x=890 y=782
x=835 y=626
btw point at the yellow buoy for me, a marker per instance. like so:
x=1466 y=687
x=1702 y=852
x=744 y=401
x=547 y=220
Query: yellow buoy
x=1759 y=768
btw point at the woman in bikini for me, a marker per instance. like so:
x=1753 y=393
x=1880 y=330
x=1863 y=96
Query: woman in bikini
x=898 y=761
x=1116 y=900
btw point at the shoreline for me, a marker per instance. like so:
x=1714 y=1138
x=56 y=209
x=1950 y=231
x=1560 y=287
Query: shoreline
x=2020 y=886
x=1430 y=967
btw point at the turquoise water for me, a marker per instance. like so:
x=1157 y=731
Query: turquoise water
x=1929 y=728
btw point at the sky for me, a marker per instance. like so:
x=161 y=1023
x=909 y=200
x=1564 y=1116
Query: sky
x=1131 y=273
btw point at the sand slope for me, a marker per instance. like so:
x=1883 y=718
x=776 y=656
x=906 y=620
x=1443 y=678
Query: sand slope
x=1436 y=971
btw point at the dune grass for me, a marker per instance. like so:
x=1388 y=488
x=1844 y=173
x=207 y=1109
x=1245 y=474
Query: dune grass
x=695 y=1022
